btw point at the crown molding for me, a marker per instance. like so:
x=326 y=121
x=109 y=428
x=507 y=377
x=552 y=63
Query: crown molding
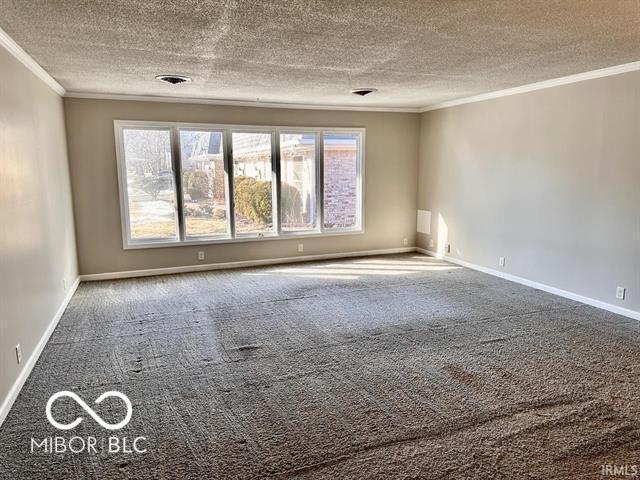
x=569 y=79
x=16 y=50
x=579 y=77
x=235 y=103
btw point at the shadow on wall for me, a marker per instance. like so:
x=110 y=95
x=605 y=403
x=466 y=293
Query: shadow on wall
x=359 y=268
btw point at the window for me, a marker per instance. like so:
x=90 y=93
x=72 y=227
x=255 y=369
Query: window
x=341 y=186
x=150 y=187
x=298 y=181
x=252 y=183
x=189 y=184
x=204 y=192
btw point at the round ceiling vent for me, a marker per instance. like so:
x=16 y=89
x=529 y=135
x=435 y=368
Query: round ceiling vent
x=363 y=91
x=174 y=79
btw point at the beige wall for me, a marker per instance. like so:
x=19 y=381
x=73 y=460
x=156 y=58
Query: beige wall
x=390 y=186
x=37 y=244
x=548 y=179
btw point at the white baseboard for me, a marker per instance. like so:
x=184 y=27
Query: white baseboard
x=243 y=264
x=33 y=358
x=540 y=286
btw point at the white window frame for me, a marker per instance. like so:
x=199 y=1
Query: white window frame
x=227 y=129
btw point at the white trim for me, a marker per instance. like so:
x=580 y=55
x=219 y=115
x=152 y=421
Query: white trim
x=238 y=127
x=242 y=264
x=237 y=103
x=301 y=235
x=540 y=286
x=579 y=77
x=14 y=49
x=28 y=366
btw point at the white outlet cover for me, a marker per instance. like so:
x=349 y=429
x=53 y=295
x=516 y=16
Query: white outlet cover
x=18 y=353
x=200 y=255
x=620 y=292
x=300 y=247
x=501 y=261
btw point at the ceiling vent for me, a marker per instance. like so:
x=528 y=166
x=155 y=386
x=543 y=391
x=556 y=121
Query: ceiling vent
x=363 y=91
x=174 y=79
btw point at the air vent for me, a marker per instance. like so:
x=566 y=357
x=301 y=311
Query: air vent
x=173 y=79
x=363 y=91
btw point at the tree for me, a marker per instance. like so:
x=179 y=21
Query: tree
x=148 y=151
x=153 y=185
x=291 y=204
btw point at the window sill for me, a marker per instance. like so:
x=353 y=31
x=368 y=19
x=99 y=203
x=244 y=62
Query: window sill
x=247 y=239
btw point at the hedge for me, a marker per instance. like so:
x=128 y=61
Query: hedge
x=253 y=200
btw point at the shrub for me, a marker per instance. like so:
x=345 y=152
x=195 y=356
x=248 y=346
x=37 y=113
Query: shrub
x=253 y=199
x=206 y=209
x=197 y=184
x=192 y=212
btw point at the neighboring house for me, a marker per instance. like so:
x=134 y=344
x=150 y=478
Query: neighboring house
x=252 y=159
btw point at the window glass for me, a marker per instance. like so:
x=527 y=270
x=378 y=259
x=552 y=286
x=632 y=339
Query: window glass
x=319 y=171
x=298 y=181
x=341 y=202
x=252 y=183
x=204 y=189
x=151 y=193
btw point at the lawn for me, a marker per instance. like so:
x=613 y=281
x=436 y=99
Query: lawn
x=196 y=226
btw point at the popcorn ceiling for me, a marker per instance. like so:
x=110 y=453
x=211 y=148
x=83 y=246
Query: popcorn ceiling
x=415 y=52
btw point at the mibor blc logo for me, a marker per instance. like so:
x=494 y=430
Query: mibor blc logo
x=87 y=408
x=89 y=444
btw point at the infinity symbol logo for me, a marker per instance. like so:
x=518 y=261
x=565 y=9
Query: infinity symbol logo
x=87 y=408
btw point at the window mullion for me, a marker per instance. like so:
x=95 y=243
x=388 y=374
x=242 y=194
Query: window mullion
x=320 y=189
x=360 y=173
x=277 y=191
x=228 y=171
x=177 y=178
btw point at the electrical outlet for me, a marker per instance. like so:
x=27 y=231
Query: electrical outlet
x=431 y=243
x=300 y=248
x=18 y=353
x=200 y=255
x=447 y=248
x=405 y=241
x=620 y=293
x=64 y=284
x=501 y=261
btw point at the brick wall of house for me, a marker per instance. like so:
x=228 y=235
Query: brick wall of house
x=340 y=187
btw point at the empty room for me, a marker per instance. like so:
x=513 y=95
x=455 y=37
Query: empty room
x=319 y=239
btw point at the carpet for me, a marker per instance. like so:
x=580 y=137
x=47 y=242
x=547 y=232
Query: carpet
x=398 y=367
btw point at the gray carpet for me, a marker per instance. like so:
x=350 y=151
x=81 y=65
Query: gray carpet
x=384 y=367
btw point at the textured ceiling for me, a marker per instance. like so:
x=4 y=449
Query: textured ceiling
x=304 y=51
